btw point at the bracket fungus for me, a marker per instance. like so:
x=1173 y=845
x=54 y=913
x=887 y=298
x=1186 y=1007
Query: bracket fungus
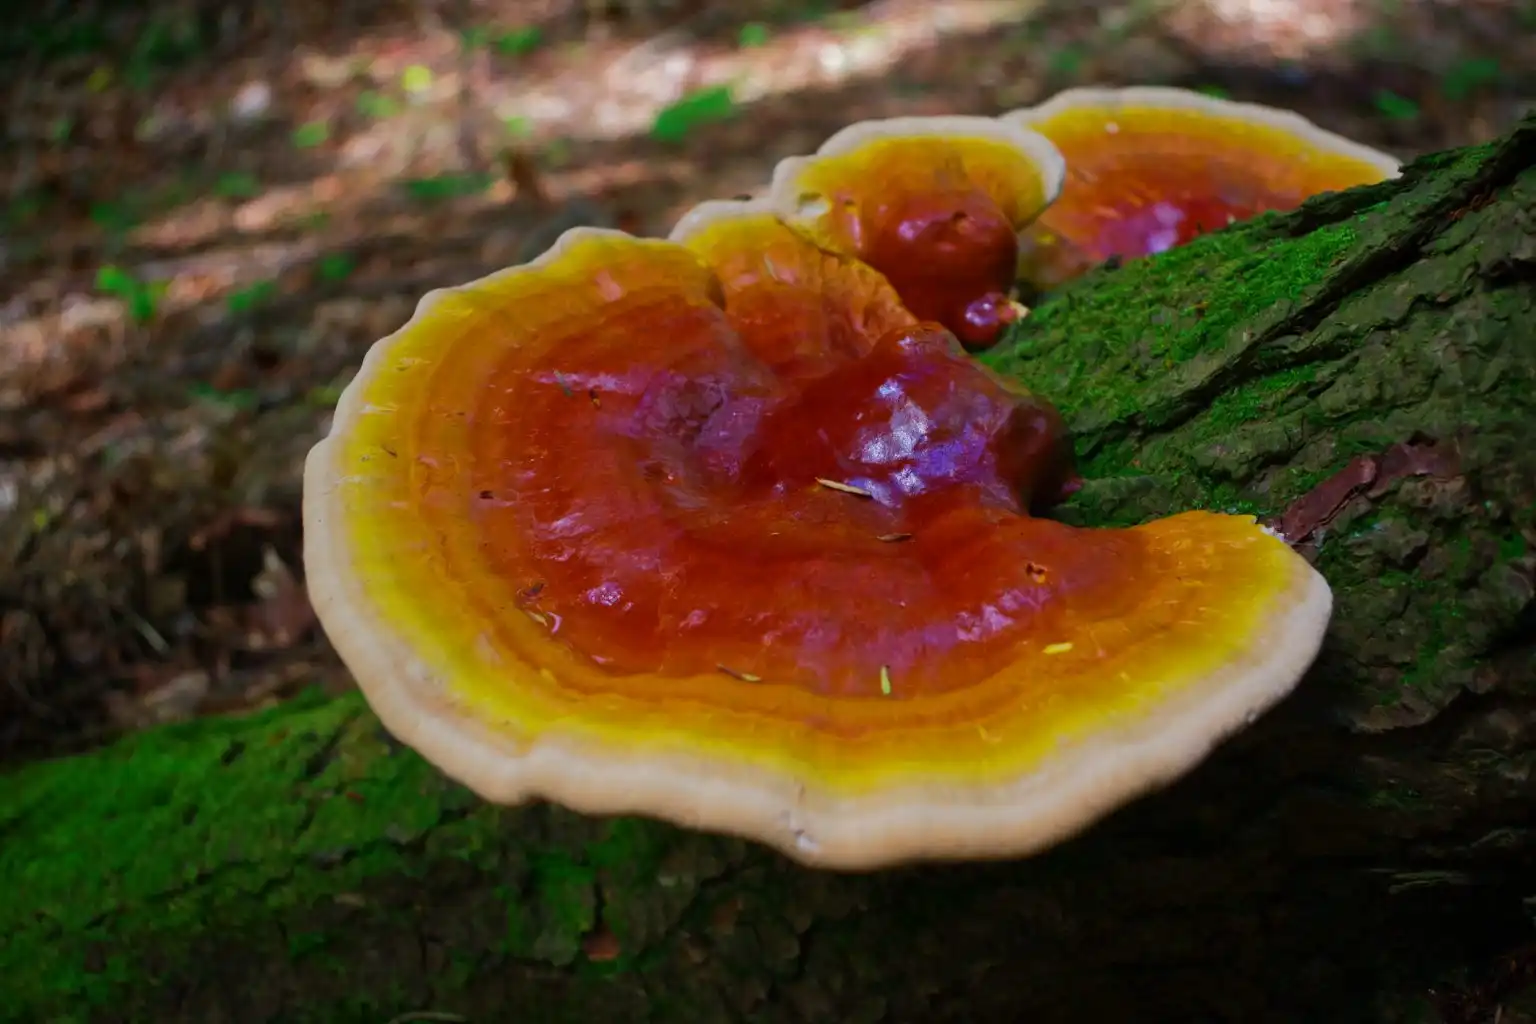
x=1151 y=167
x=935 y=204
x=716 y=530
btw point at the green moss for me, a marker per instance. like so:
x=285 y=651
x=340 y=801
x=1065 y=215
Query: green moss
x=1396 y=796
x=630 y=847
x=1512 y=547
x=306 y=943
x=1423 y=673
x=1123 y=344
x=1169 y=378
x=288 y=816
x=568 y=893
x=1270 y=395
x=298 y=831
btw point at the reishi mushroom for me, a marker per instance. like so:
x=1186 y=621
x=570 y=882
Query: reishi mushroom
x=717 y=530
x=1151 y=167
x=935 y=204
x=861 y=364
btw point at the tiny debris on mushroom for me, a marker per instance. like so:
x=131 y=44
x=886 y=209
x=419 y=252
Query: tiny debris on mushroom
x=717 y=636
x=845 y=488
x=1151 y=167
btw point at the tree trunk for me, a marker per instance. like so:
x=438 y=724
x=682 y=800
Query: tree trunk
x=1363 y=371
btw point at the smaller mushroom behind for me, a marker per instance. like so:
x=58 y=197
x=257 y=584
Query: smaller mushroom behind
x=1149 y=168
x=864 y=366
x=933 y=203
x=801 y=309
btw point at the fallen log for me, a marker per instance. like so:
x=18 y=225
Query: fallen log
x=1361 y=373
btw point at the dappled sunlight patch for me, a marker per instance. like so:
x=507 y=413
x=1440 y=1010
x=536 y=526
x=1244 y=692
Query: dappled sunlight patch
x=57 y=328
x=638 y=81
x=1289 y=29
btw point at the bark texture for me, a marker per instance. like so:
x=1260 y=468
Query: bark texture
x=1363 y=371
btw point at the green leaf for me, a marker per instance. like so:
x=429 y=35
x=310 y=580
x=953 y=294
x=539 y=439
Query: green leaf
x=1067 y=61
x=115 y=281
x=142 y=299
x=242 y=398
x=243 y=300
x=237 y=185
x=335 y=266
x=674 y=123
x=323 y=396
x=446 y=186
x=517 y=126
x=416 y=79
x=558 y=152
x=141 y=306
x=167 y=42
x=24 y=209
x=1469 y=76
x=114 y=217
x=308 y=136
x=752 y=34
x=376 y=105
x=139 y=76
x=1398 y=108
x=518 y=41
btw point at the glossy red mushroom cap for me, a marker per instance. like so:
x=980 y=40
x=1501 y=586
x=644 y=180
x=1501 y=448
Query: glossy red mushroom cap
x=1150 y=168
x=716 y=530
x=935 y=204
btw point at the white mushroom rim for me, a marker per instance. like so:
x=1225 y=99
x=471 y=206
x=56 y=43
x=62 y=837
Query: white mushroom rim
x=1169 y=98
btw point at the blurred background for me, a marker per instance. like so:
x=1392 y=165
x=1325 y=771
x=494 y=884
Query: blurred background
x=212 y=207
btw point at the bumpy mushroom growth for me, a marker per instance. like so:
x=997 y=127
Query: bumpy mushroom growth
x=933 y=203
x=715 y=530
x=1149 y=168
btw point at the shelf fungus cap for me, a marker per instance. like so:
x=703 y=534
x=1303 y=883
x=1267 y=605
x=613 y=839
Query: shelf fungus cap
x=933 y=203
x=1151 y=167
x=714 y=530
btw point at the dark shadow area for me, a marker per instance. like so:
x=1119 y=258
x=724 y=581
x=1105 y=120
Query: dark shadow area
x=164 y=38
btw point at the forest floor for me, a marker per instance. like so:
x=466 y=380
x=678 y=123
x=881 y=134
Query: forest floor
x=210 y=210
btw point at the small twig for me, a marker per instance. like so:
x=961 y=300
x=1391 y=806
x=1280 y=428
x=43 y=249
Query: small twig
x=432 y=1015
x=835 y=485
x=149 y=633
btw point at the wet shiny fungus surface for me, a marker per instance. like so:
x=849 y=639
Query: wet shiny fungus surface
x=680 y=496
x=1145 y=178
x=939 y=217
x=659 y=489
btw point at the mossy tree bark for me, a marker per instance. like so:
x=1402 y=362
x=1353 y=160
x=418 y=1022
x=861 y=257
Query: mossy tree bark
x=1363 y=371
